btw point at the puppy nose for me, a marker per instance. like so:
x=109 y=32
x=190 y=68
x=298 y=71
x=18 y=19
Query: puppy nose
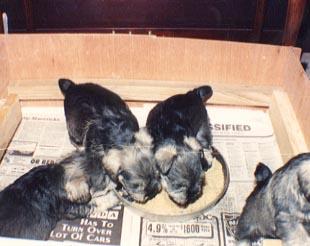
x=157 y=186
x=194 y=193
x=196 y=189
x=152 y=189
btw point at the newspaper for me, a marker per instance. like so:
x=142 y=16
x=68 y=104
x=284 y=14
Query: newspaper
x=244 y=136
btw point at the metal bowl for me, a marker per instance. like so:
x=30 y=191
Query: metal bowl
x=151 y=214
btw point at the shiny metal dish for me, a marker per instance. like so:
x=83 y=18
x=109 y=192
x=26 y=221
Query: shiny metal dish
x=155 y=211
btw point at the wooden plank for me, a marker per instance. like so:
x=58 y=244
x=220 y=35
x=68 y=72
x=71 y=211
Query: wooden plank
x=60 y=103
x=289 y=135
x=41 y=56
x=296 y=51
x=149 y=91
x=297 y=85
x=10 y=116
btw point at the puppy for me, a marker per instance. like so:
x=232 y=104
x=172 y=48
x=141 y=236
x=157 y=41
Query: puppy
x=92 y=106
x=134 y=166
x=31 y=206
x=102 y=122
x=180 y=129
x=279 y=206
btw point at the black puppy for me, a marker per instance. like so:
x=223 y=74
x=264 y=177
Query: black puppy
x=31 y=206
x=98 y=111
x=100 y=120
x=180 y=129
x=279 y=206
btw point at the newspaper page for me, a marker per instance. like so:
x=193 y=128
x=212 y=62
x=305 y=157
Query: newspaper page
x=244 y=137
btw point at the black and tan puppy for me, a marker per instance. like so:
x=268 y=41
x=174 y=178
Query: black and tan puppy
x=101 y=121
x=31 y=206
x=279 y=206
x=180 y=129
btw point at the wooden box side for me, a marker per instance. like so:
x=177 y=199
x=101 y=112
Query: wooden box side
x=138 y=57
x=157 y=63
x=10 y=117
x=4 y=69
x=148 y=68
x=297 y=86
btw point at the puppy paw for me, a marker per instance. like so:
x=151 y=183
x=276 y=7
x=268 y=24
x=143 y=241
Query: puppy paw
x=127 y=197
x=243 y=243
x=78 y=190
x=101 y=203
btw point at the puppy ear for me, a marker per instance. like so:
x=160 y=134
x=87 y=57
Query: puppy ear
x=204 y=92
x=262 y=173
x=206 y=159
x=165 y=157
x=64 y=85
x=194 y=145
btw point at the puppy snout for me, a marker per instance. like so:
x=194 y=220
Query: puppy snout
x=194 y=193
x=152 y=189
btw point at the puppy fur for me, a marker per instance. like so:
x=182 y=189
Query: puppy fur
x=101 y=121
x=279 y=206
x=136 y=168
x=180 y=129
x=99 y=112
x=31 y=206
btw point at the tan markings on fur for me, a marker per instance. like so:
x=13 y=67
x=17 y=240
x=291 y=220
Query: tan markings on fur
x=130 y=155
x=78 y=190
x=76 y=184
x=143 y=138
x=73 y=170
x=208 y=155
x=112 y=160
x=192 y=142
x=75 y=181
x=165 y=153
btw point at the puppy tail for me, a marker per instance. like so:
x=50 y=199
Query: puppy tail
x=64 y=85
x=262 y=174
x=204 y=92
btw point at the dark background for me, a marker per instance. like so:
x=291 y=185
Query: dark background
x=239 y=20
